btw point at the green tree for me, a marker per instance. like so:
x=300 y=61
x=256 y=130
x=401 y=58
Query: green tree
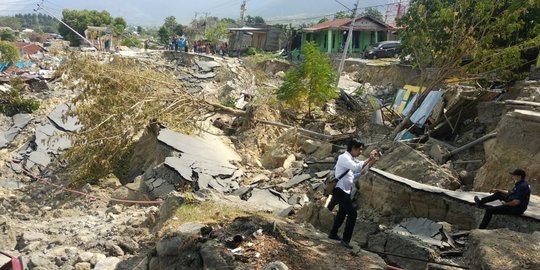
x=140 y=30
x=8 y=52
x=323 y=20
x=81 y=19
x=372 y=12
x=313 y=82
x=164 y=34
x=131 y=41
x=440 y=34
x=38 y=22
x=254 y=20
x=7 y=35
x=11 y=22
x=119 y=25
x=341 y=15
x=216 y=33
x=228 y=20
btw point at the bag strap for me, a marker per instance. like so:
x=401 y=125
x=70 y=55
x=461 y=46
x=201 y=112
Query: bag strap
x=343 y=174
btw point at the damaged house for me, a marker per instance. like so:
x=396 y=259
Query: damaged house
x=331 y=35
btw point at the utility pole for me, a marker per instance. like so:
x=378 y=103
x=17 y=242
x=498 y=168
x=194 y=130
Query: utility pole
x=242 y=12
x=40 y=7
x=349 y=37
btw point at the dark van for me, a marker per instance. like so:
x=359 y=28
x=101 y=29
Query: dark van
x=384 y=49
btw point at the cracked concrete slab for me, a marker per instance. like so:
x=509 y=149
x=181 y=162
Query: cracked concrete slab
x=40 y=158
x=207 y=66
x=297 y=180
x=68 y=123
x=265 y=200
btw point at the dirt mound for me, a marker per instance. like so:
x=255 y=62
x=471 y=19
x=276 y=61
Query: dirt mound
x=517 y=145
x=407 y=162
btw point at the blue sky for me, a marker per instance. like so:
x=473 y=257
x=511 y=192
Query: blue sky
x=152 y=12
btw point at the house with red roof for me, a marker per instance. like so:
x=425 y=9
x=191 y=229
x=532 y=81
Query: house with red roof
x=29 y=48
x=331 y=35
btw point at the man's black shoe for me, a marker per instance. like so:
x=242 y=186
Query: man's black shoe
x=477 y=201
x=334 y=237
x=346 y=244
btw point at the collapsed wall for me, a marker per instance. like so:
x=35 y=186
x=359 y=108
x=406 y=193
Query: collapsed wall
x=517 y=145
x=401 y=197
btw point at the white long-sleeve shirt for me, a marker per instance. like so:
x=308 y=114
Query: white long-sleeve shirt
x=347 y=162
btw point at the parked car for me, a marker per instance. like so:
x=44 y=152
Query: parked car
x=384 y=49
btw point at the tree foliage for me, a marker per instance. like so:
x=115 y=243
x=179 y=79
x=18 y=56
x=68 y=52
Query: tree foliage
x=170 y=28
x=118 y=102
x=372 y=12
x=7 y=35
x=341 y=15
x=253 y=20
x=38 y=22
x=492 y=35
x=81 y=19
x=11 y=22
x=313 y=82
x=11 y=103
x=216 y=33
x=131 y=41
x=8 y=52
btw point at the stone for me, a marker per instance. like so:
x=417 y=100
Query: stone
x=323 y=174
x=194 y=155
x=204 y=76
x=207 y=66
x=363 y=230
x=274 y=158
x=108 y=263
x=97 y=257
x=309 y=146
x=21 y=120
x=277 y=265
x=288 y=162
x=67 y=123
x=408 y=246
x=297 y=180
x=438 y=153
x=83 y=266
x=40 y=158
x=114 y=250
x=128 y=245
x=264 y=200
x=324 y=151
x=173 y=201
x=286 y=212
x=85 y=257
x=215 y=256
x=38 y=260
x=8 y=237
x=174 y=245
x=502 y=249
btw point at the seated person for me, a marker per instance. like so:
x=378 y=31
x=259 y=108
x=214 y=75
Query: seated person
x=514 y=202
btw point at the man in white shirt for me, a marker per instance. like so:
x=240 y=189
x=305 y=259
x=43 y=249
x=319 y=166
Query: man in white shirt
x=342 y=193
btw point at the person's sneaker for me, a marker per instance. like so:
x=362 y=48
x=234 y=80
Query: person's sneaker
x=346 y=244
x=334 y=237
x=477 y=201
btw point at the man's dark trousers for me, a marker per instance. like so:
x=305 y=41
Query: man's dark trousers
x=345 y=209
x=497 y=210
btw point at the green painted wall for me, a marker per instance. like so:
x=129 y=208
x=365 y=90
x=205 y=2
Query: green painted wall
x=357 y=45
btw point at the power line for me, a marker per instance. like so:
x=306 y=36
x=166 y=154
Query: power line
x=331 y=14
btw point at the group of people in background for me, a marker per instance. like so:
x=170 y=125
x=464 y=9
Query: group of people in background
x=179 y=44
x=198 y=46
